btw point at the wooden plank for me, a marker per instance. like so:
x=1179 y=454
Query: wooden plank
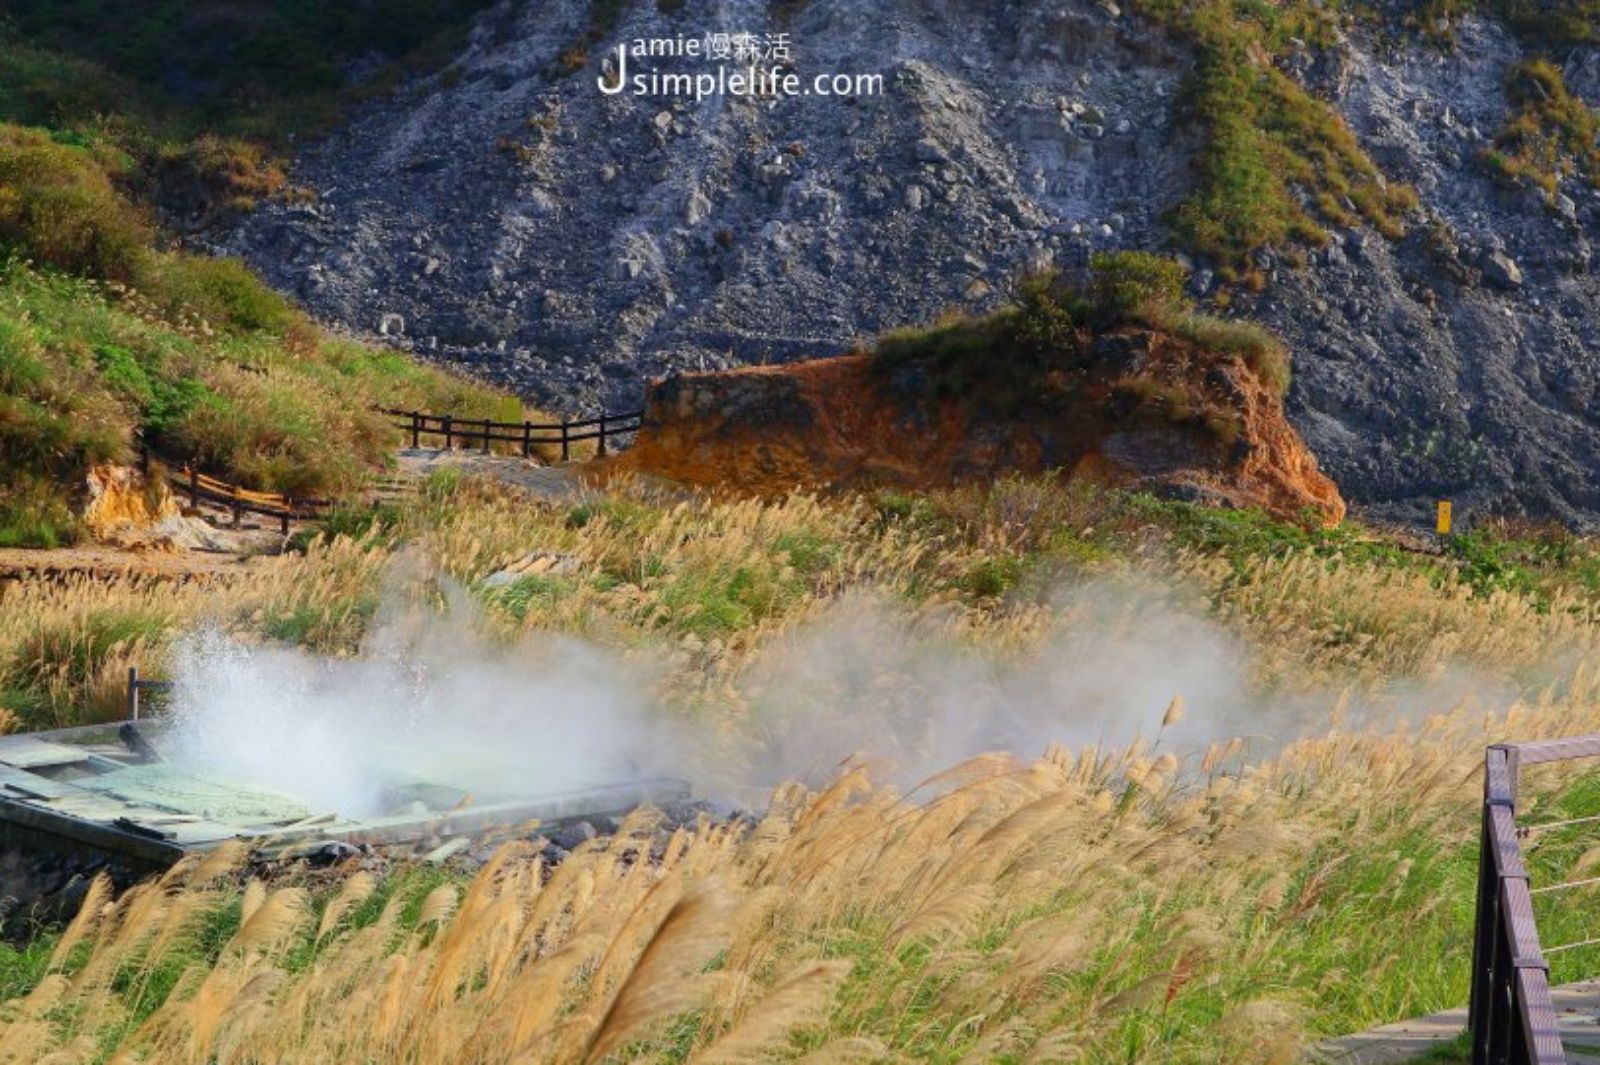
x=1557 y=750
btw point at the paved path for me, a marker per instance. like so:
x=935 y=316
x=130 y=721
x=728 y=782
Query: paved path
x=1577 y=1009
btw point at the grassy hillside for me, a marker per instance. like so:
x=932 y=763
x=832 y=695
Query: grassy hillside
x=1170 y=901
x=250 y=68
x=206 y=98
x=104 y=336
x=125 y=115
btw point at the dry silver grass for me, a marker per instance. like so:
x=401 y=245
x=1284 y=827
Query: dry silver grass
x=1040 y=908
x=1013 y=885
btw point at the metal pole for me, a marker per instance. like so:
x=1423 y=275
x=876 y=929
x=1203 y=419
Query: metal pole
x=133 y=693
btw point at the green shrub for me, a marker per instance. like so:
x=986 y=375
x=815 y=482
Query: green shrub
x=1125 y=284
x=34 y=514
x=1552 y=25
x=1263 y=352
x=122 y=372
x=359 y=521
x=519 y=598
x=993 y=577
x=442 y=485
x=225 y=293
x=618 y=511
x=1048 y=315
x=58 y=206
x=1009 y=355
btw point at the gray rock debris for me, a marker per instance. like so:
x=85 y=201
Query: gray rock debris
x=586 y=243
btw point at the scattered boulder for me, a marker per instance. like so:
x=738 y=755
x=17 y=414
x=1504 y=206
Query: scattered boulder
x=1500 y=270
x=533 y=564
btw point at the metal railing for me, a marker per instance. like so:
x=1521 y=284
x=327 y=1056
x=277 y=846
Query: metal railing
x=137 y=687
x=483 y=433
x=1512 y=1018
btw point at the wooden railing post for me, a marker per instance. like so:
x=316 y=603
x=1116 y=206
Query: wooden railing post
x=449 y=433
x=288 y=508
x=486 y=424
x=566 y=441
x=416 y=430
x=1486 y=986
x=527 y=440
x=238 y=513
x=602 y=436
x=194 y=487
x=133 y=693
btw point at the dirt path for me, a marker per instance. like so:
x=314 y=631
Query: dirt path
x=107 y=562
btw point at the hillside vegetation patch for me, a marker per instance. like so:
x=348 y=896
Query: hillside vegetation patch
x=105 y=338
x=1551 y=135
x=1277 y=166
x=1052 y=321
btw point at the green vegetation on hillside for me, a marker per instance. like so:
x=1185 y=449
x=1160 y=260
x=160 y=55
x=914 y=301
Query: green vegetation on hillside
x=104 y=336
x=1550 y=24
x=204 y=99
x=1545 y=25
x=1551 y=135
x=1017 y=351
x=257 y=69
x=1276 y=164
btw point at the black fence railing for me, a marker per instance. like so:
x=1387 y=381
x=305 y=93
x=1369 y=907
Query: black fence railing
x=483 y=434
x=141 y=692
x=1512 y=1017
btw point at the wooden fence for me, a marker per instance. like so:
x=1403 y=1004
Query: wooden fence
x=465 y=432
x=198 y=488
x=483 y=433
x=1512 y=1017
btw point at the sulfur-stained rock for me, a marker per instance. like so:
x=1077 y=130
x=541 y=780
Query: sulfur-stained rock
x=1149 y=411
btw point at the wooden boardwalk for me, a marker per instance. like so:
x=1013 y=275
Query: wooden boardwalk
x=1577 y=1009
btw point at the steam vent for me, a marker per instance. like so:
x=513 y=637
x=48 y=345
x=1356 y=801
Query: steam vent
x=103 y=798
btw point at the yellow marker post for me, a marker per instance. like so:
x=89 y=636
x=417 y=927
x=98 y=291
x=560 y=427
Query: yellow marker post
x=1444 y=519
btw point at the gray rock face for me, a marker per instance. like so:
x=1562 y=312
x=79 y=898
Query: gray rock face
x=606 y=239
x=572 y=244
x=1459 y=362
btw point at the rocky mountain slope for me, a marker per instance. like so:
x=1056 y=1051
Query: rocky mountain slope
x=507 y=215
